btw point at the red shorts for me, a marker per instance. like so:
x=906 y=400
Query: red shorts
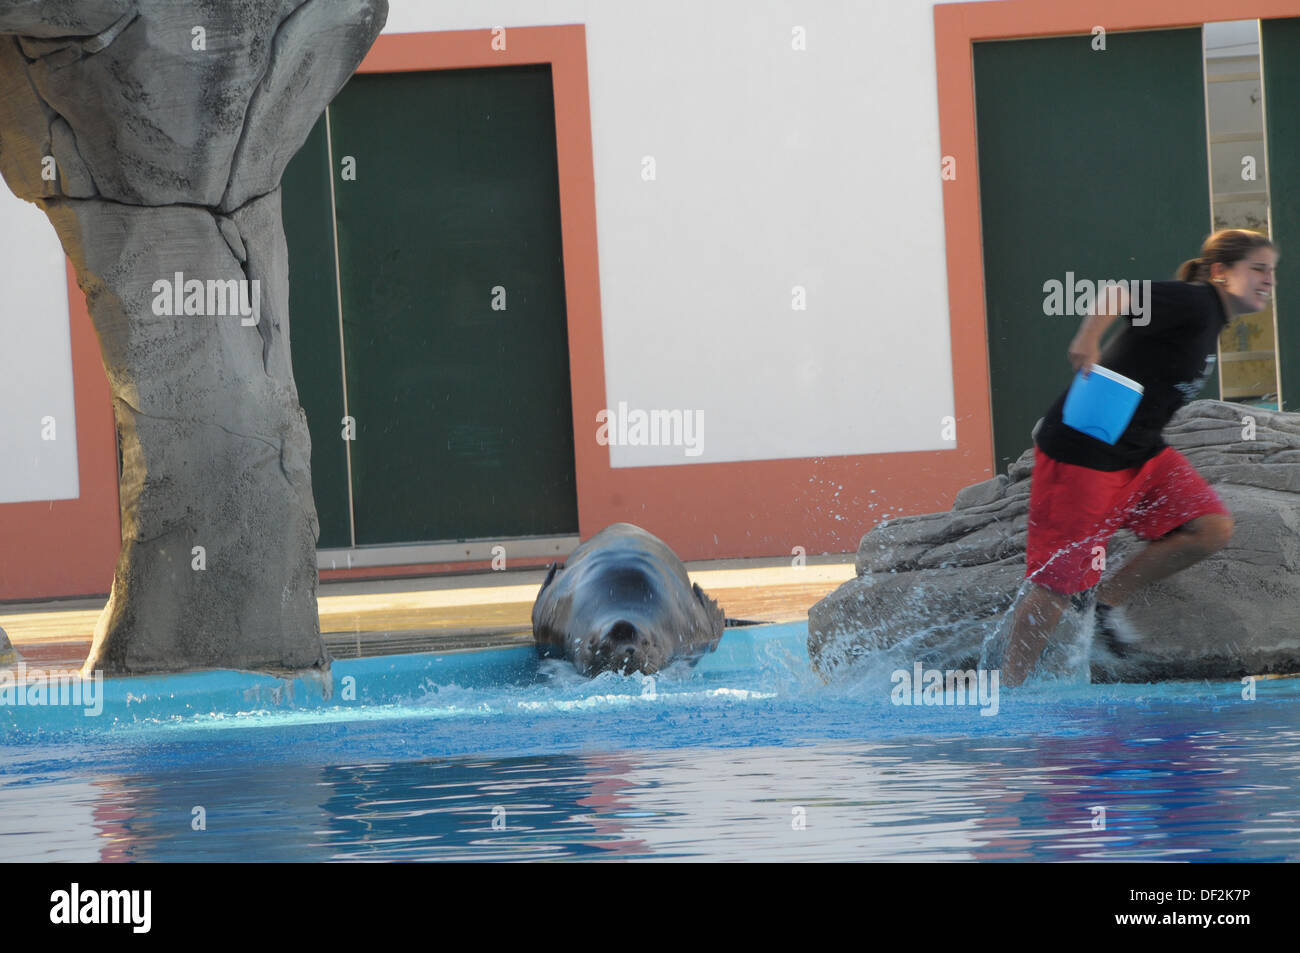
x=1074 y=511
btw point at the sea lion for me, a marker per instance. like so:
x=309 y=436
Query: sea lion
x=623 y=602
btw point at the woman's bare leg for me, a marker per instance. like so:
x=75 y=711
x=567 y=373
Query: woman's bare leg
x=1033 y=621
x=1185 y=546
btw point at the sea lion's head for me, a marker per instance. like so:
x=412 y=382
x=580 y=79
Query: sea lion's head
x=624 y=603
x=620 y=620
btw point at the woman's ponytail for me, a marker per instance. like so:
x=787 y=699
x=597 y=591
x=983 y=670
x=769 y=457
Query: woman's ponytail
x=1227 y=246
x=1193 y=269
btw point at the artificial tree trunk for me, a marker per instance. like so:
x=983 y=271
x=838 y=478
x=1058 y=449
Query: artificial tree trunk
x=153 y=134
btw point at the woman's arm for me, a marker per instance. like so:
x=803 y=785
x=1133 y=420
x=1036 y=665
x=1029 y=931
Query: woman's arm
x=1085 y=349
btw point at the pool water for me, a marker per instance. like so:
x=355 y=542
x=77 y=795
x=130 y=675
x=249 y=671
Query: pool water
x=495 y=755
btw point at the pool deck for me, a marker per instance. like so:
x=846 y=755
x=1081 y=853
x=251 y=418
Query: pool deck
x=449 y=612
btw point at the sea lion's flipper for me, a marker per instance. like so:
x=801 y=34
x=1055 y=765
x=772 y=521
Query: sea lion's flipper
x=713 y=611
x=551 y=570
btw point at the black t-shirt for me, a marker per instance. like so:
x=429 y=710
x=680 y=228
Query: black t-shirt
x=1171 y=356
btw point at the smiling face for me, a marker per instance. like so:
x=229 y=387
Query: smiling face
x=1246 y=285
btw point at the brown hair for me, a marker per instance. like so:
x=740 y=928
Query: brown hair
x=1227 y=246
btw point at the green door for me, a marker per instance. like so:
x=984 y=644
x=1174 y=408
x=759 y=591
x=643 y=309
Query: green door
x=454 y=338
x=1093 y=163
x=314 y=330
x=1280 y=62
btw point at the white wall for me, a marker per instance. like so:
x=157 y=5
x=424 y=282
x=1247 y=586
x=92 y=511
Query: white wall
x=775 y=168
x=35 y=359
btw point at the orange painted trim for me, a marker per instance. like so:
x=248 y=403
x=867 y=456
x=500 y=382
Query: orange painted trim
x=704 y=510
x=751 y=508
x=564 y=49
x=61 y=548
x=1013 y=19
x=956 y=27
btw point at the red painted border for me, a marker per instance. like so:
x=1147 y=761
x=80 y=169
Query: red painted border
x=753 y=508
x=564 y=48
x=705 y=510
x=956 y=27
x=69 y=547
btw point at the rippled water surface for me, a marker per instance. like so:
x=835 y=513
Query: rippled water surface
x=748 y=756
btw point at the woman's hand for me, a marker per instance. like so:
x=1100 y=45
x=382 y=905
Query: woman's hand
x=1084 y=352
x=1085 y=349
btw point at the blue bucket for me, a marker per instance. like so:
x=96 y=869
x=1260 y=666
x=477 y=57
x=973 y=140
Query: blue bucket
x=1101 y=404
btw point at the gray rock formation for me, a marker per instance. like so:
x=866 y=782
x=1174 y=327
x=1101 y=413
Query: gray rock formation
x=7 y=653
x=153 y=133
x=931 y=588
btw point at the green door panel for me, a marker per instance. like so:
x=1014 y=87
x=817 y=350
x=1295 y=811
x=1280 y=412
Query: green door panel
x=1280 y=62
x=314 y=330
x=463 y=410
x=1091 y=162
